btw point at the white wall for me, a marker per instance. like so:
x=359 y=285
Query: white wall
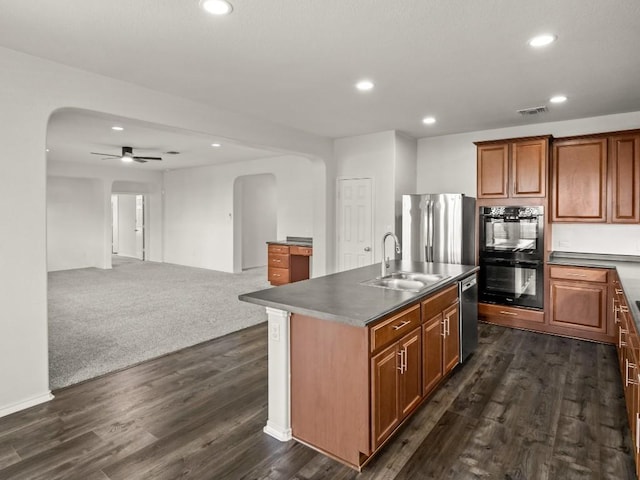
x=32 y=88
x=127 y=225
x=120 y=180
x=199 y=219
x=405 y=174
x=259 y=217
x=448 y=164
x=371 y=156
x=74 y=223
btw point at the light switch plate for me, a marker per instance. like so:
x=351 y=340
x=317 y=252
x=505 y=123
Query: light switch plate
x=274 y=332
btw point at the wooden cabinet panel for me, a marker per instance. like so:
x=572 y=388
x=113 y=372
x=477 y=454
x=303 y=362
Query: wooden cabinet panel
x=493 y=171
x=436 y=303
x=431 y=353
x=278 y=276
x=529 y=168
x=579 y=180
x=303 y=251
x=411 y=374
x=624 y=174
x=579 y=305
x=278 y=260
x=385 y=393
x=578 y=273
x=502 y=313
x=451 y=343
x=279 y=249
x=387 y=331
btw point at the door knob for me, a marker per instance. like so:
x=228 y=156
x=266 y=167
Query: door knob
x=367 y=249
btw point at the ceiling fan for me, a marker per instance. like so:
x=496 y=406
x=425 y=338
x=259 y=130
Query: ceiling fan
x=127 y=156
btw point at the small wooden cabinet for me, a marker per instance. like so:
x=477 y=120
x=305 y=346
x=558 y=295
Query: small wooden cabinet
x=579 y=180
x=624 y=174
x=287 y=263
x=513 y=168
x=580 y=302
x=440 y=337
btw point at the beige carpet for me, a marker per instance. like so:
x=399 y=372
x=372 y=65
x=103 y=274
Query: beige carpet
x=105 y=320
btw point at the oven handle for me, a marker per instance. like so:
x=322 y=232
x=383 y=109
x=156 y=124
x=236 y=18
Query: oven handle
x=505 y=261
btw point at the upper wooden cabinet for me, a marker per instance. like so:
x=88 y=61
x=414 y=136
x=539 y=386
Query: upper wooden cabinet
x=624 y=174
x=596 y=179
x=579 y=180
x=513 y=168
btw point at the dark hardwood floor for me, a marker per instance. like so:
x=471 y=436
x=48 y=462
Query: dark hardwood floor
x=525 y=406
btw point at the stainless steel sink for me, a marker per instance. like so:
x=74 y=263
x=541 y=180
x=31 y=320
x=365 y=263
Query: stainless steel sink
x=406 y=281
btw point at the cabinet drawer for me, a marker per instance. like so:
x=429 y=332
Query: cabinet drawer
x=438 y=302
x=304 y=251
x=278 y=261
x=579 y=274
x=501 y=311
x=282 y=249
x=278 y=276
x=386 y=331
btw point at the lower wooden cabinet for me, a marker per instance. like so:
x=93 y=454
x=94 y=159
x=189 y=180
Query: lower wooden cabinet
x=396 y=385
x=628 y=347
x=352 y=387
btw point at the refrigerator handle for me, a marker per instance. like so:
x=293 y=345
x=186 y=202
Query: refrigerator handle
x=430 y=231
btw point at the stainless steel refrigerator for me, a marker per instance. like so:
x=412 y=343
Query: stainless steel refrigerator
x=439 y=228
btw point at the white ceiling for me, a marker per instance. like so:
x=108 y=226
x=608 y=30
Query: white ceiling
x=294 y=62
x=72 y=134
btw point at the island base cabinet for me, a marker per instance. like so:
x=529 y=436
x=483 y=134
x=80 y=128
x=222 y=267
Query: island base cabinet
x=329 y=386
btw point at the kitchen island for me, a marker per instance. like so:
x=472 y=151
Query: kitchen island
x=349 y=362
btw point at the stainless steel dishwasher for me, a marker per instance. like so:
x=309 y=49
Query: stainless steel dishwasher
x=468 y=293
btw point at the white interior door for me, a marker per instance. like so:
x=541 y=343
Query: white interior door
x=140 y=227
x=115 y=234
x=355 y=221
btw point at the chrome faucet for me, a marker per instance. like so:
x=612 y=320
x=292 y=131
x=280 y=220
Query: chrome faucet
x=385 y=259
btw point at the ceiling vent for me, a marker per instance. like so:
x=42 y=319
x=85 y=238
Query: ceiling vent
x=525 y=112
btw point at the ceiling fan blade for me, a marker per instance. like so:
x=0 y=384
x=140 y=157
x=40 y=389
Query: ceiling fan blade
x=147 y=158
x=139 y=160
x=104 y=154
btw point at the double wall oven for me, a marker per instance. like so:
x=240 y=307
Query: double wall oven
x=511 y=256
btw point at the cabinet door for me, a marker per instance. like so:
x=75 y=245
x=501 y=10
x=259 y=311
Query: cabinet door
x=385 y=372
x=493 y=171
x=451 y=353
x=579 y=181
x=579 y=305
x=529 y=168
x=432 y=353
x=624 y=171
x=411 y=373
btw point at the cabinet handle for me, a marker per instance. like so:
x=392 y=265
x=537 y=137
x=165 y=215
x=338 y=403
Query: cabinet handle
x=403 y=361
x=618 y=291
x=624 y=309
x=620 y=342
x=404 y=358
x=503 y=312
x=276 y=274
x=448 y=322
x=627 y=380
x=276 y=261
x=569 y=274
x=444 y=327
x=400 y=325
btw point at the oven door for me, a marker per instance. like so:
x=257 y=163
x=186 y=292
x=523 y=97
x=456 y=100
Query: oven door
x=511 y=282
x=511 y=236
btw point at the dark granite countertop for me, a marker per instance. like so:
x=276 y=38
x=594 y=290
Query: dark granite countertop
x=293 y=242
x=341 y=297
x=627 y=266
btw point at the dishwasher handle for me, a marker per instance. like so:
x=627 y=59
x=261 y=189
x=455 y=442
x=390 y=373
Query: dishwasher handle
x=467 y=284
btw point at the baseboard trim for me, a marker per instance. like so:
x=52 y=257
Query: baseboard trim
x=31 y=402
x=278 y=433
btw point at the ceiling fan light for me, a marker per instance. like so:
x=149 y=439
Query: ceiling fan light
x=216 y=7
x=127 y=159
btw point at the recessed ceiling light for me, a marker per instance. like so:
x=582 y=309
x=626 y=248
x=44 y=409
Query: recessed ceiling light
x=48 y=150
x=117 y=129
x=364 y=85
x=542 y=40
x=558 y=99
x=216 y=145
x=216 y=7
x=429 y=120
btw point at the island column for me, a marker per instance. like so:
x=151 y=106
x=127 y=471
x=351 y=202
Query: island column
x=279 y=420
